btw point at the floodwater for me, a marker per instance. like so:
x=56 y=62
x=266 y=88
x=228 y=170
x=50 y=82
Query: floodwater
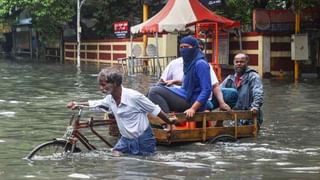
x=32 y=110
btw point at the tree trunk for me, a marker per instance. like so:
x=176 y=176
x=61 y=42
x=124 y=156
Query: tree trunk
x=37 y=46
x=61 y=46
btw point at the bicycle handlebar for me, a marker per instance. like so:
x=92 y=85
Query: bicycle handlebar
x=79 y=106
x=101 y=108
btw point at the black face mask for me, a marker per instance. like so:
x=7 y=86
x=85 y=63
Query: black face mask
x=187 y=54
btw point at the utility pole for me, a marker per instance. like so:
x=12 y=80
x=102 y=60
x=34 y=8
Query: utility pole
x=145 y=37
x=145 y=18
x=297 y=31
x=79 y=5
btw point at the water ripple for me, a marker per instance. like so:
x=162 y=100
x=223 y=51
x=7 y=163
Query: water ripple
x=7 y=114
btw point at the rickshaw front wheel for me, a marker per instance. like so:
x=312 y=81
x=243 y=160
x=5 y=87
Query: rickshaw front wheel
x=52 y=149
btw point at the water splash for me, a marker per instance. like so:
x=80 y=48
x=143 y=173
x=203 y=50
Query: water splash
x=77 y=175
x=29 y=176
x=14 y=102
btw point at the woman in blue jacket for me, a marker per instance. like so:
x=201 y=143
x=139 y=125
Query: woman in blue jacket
x=193 y=95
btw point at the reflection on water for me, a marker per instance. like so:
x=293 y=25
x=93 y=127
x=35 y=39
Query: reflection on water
x=32 y=110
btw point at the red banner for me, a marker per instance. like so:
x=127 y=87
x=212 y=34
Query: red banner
x=121 y=29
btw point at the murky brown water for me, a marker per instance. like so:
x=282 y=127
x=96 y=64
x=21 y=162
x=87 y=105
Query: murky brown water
x=32 y=110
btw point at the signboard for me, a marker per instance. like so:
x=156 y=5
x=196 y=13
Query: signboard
x=273 y=20
x=121 y=29
x=211 y=3
x=284 y=20
x=299 y=47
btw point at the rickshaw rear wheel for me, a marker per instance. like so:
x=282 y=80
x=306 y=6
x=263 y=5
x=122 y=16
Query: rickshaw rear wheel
x=222 y=138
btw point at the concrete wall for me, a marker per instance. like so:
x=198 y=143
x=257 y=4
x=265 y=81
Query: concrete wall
x=96 y=51
x=251 y=45
x=118 y=51
x=280 y=55
x=269 y=54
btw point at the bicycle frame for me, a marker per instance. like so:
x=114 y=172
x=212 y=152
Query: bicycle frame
x=73 y=134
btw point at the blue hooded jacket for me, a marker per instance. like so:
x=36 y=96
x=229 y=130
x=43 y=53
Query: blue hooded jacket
x=196 y=85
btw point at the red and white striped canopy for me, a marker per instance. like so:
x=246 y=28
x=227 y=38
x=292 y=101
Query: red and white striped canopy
x=176 y=14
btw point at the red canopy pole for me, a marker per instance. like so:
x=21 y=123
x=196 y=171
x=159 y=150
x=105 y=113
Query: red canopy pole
x=196 y=30
x=216 y=63
x=214 y=44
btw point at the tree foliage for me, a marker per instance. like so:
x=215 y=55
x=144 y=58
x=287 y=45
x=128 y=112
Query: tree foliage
x=110 y=11
x=48 y=16
x=241 y=10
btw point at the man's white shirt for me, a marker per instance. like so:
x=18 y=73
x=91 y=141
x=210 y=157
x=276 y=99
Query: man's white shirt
x=131 y=113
